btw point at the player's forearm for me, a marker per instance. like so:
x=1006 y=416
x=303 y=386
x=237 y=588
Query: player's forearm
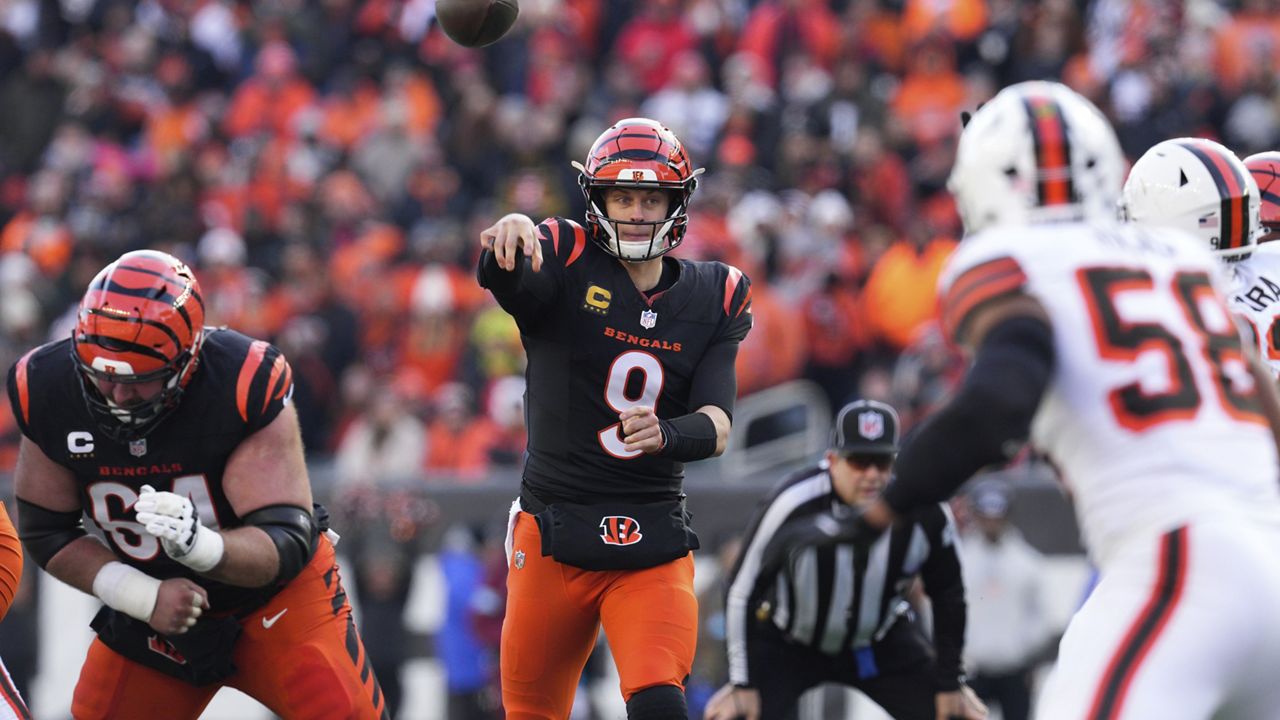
x=250 y=558
x=721 y=420
x=78 y=563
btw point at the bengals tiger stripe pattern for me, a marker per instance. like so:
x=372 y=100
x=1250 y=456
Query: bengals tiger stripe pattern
x=140 y=317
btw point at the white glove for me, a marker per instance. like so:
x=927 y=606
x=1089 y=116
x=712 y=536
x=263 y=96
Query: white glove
x=174 y=520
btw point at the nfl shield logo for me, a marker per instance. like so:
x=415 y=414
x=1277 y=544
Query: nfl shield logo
x=519 y=559
x=648 y=319
x=870 y=425
x=138 y=448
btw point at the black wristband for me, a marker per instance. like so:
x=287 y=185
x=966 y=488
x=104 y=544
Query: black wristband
x=688 y=437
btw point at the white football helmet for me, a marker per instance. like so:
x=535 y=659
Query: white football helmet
x=1037 y=152
x=1200 y=187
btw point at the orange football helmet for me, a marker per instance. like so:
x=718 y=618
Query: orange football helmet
x=642 y=154
x=1265 y=168
x=141 y=320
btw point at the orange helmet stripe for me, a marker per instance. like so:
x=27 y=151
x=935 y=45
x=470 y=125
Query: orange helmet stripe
x=1233 y=190
x=1053 y=151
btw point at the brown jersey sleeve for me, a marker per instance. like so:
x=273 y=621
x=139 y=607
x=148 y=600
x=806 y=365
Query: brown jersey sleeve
x=976 y=287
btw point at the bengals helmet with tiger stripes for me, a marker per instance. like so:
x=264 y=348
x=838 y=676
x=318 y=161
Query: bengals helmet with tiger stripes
x=141 y=320
x=642 y=154
x=1037 y=152
x=1265 y=168
x=1197 y=186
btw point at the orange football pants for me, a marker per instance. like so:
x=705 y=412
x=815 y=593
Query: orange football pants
x=554 y=612
x=299 y=655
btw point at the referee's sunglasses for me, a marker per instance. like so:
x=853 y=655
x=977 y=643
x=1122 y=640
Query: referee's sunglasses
x=862 y=461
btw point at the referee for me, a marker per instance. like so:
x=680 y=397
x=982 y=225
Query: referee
x=837 y=613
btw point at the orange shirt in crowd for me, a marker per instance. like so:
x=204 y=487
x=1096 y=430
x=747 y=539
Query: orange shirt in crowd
x=959 y=19
x=835 y=326
x=1247 y=44
x=464 y=453
x=349 y=118
x=929 y=101
x=812 y=20
x=901 y=294
x=45 y=240
x=258 y=106
x=775 y=351
x=173 y=130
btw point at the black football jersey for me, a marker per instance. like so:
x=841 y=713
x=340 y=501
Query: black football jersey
x=240 y=386
x=597 y=346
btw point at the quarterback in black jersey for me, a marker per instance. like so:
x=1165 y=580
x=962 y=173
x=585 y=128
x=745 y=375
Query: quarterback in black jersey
x=630 y=375
x=180 y=447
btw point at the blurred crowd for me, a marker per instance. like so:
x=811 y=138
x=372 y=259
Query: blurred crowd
x=327 y=166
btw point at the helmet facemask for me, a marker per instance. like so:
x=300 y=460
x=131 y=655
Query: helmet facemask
x=663 y=235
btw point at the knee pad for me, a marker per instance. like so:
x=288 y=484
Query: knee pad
x=660 y=702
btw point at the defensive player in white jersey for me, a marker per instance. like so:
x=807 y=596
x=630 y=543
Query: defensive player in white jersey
x=1202 y=188
x=1108 y=346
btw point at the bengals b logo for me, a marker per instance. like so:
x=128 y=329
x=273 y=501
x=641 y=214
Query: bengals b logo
x=161 y=646
x=619 y=530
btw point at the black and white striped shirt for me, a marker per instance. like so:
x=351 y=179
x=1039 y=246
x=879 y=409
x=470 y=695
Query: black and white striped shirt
x=834 y=599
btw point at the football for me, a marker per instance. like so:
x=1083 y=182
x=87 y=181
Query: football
x=476 y=23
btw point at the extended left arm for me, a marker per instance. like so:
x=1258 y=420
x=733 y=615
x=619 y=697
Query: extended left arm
x=944 y=584
x=989 y=418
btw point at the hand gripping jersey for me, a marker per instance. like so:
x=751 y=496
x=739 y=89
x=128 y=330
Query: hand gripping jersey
x=596 y=346
x=241 y=386
x=1151 y=416
x=1255 y=296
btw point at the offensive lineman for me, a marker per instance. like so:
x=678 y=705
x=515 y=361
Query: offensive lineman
x=179 y=443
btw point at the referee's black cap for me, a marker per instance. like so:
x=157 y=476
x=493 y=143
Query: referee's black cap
x=866 y=427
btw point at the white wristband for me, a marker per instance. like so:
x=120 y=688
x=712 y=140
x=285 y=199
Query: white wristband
x=206 y=551
x=127 y=589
